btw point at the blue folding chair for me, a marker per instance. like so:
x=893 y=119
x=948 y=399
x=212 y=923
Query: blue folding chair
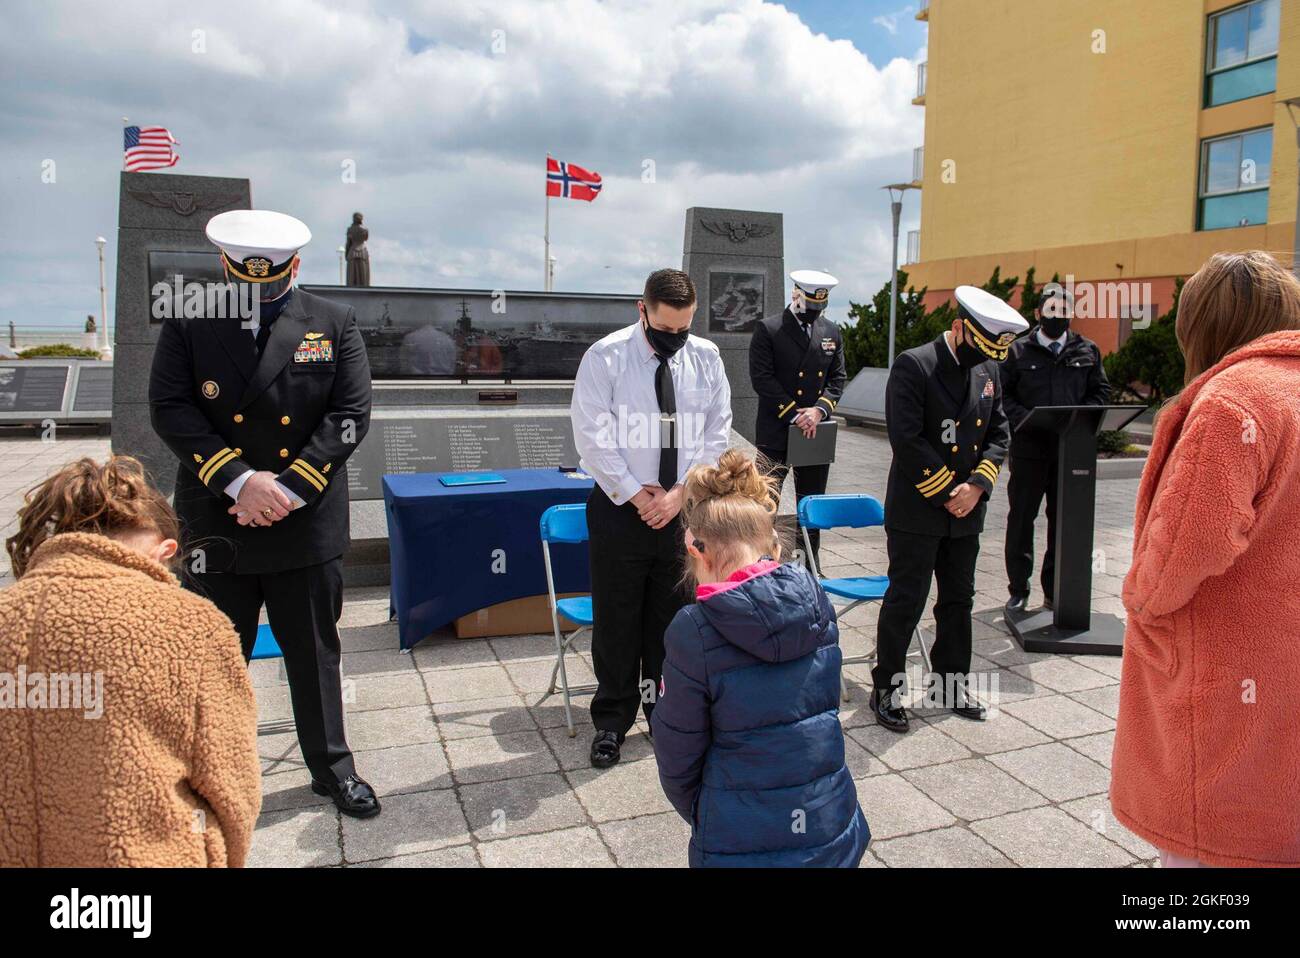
x=565 y=524
x=849 y=512
x=265 y=646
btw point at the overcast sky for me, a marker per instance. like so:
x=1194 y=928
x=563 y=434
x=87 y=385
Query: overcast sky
x=447 y=109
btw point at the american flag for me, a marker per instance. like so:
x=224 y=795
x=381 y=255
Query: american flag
x=148 y=148
x=571 y=181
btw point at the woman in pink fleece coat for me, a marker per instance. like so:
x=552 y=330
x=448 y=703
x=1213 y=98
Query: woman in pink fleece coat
x=1207 y=755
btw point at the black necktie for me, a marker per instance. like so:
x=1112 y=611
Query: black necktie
x=1056 y=349
x=667 y=432
x=263 y=334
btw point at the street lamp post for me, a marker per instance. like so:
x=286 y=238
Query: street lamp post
x=896 y=191
x=1292 y=105
x=106 y=348
x=343 y=275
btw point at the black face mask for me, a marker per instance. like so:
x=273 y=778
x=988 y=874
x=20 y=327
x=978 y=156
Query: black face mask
x=968 y=357
x=809 y=315
x=664 y=344
x=1054 y=326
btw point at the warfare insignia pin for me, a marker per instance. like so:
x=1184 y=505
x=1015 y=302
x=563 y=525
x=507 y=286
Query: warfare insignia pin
x=314 y=335
x=211 y=390
x=988 y=389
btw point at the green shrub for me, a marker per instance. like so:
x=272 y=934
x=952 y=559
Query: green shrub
x=58 y=351
x=1114 y=441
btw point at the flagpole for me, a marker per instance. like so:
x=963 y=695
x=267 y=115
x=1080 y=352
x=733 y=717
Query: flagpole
x=546 y=235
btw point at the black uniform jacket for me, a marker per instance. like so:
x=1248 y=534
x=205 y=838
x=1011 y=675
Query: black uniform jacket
x=1032 y=376
x=299 y=412
x=791 y=370
x=946 y=427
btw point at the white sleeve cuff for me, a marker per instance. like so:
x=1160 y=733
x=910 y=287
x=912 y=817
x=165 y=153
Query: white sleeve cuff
x=296 y=499
x=237 y=484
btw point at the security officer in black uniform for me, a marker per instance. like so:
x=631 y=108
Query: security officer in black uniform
x=262 y=413
x=1051 y=366
x=796 y=363
x=943 y=411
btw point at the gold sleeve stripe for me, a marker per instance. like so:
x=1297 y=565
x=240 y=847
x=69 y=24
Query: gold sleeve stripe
x=215 y=464
x=785 y=409
x=313 y=471
x=319 y=486
x=986 y=472
x=935 y=482
x=830 y=403
x=991 y=465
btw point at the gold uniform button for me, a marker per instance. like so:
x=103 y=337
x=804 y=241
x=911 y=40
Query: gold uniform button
x=284 y=420
x=819 y=375
x=801 y=374
x=974 y=448
x=979 y=422
x=239 y=417
x=798 y=392
x=954 y=448
x=284 y=453
x=239 y=452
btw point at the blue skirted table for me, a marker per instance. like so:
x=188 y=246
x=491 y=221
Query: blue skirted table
x=457 y=549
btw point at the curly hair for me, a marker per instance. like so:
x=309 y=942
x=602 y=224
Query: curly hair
x=87 y=496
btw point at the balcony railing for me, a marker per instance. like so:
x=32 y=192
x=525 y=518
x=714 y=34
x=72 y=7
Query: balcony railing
x=920 y=80
x=913 y=247
x=918 y=163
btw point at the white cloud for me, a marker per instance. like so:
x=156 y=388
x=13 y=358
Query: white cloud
x=736 y=101
x=889 y=21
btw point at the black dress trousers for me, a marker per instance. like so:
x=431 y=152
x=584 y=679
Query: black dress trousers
x=808 y=481
x=303 y=607
x=1031 y=480
x=913 y=560
x=636 y=589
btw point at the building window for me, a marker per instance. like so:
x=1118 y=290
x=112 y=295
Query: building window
x=1235 y=172
x=1241 y=52
x=913 y=247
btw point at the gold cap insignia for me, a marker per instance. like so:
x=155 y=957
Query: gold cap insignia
x=257 y=266
x=1006 y=338
x=211 y=390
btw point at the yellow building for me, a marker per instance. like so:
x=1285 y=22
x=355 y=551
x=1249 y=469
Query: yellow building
x=1111 y=140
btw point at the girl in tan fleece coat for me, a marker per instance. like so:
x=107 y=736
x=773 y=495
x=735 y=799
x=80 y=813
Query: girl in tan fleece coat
x=127 y=721
x=1207 y=755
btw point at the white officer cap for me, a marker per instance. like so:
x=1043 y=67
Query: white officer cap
x=815 y=285
x=991 y=323
x=258 y=246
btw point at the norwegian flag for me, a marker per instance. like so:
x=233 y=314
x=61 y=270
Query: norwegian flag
x=571 y=181
x=148 y=148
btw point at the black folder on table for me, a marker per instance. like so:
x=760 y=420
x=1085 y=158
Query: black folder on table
x=817 y=451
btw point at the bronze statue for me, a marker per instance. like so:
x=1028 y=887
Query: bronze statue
x=357 y=255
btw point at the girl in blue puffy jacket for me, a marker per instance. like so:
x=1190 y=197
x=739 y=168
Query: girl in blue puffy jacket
x=746 y=727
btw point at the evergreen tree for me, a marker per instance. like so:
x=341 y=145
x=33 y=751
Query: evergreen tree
x=1149 y=357
x=999 y=287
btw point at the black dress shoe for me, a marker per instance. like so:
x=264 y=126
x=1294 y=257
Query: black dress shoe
x=888 y=713
x=969 y=707
x=605 y=749
x=1017 y=603
x=353 y=796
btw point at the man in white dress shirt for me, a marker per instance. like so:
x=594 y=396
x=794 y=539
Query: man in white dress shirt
x=650 y=402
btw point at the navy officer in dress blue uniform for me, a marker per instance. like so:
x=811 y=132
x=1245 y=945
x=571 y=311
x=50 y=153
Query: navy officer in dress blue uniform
x=796 y=363
x=943 y=410
x=263 y=412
